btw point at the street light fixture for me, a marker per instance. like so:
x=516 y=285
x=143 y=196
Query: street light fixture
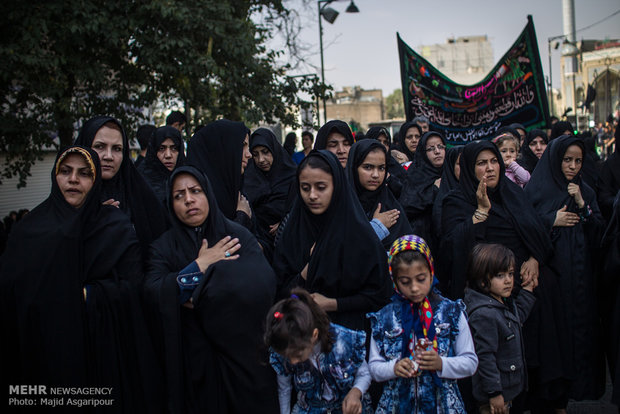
x=330 y=16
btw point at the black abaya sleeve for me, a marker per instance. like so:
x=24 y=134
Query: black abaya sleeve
x=461 y=234
x=118 y=333
x=607 y=189
x=163 y=307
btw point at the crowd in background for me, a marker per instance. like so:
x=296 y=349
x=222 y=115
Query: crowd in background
x=367 y=274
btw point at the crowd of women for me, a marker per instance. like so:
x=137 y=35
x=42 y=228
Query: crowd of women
x=217 y=280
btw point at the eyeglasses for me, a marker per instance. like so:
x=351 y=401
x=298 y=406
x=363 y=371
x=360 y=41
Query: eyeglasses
x=436 y=147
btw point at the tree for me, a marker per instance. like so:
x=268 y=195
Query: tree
x=68 y=60
x=394 y=106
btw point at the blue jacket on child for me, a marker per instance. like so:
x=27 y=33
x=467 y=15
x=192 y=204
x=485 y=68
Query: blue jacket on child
x=337 y=370
x=387 y=331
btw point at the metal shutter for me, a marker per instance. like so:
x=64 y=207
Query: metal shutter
x=38 y=187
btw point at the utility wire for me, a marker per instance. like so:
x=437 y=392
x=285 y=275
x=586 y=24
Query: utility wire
x=600 y=21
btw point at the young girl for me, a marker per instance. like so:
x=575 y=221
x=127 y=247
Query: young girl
x=325 y=361
x=421 y=341
x=509 y=148
x=495 y=319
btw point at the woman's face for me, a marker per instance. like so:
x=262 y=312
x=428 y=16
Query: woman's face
x=168 y=153
x=263 y=158
x=384 y=141
x=246 y=154
x=371 y=171
x=189 y=200
x=75 y=179
x=338 y=145
x=538 y=146
x=435 y=151
x=457 y=167
x=412 y=137
x=108 y=143
x=316 y=188
x=572 y=161
x=487 y=165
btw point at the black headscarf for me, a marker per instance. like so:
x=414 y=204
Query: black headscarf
x=401 y=145
x=509 y=207
x=370 y=199
x=214 y=357
x=573 y=261
x=420 y=191
x=398 y=175
x=609 y=179
x=56 y=256
x=547 y=189
x=448 y=183
x=154 y=172
x=348 y=262
x=376 y=131
x=290 y=141
x=136 y=197
x=528 y=159
x=510 y=129
x=332 y=126
x=558 y=129
x=217 y=150
x=269 y=192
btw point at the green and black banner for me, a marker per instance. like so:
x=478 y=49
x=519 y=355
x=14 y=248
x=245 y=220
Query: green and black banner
x=513 y=92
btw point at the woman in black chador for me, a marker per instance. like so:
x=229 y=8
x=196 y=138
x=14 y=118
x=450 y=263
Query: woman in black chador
x=366 y=172
x=328 y=247
x=571 y=215
x=69 y=295
x=397 y=174
x=422 y=184
x=533 y=147
x=267 y=182
x=487 y=207
x=211 y=286
x=164 y=153
x=123 y=186
x=221 y=150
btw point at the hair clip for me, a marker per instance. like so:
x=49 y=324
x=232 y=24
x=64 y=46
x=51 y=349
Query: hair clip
x=294 y=296
x=278 y=315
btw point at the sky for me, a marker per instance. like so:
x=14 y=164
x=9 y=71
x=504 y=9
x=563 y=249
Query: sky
x=360 y=48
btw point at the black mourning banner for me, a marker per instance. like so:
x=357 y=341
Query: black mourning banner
x=513 y=92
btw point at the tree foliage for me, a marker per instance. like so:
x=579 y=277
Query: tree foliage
x=63 y=61
x=394 y=105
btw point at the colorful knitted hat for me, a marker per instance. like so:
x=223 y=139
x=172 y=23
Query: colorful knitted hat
x=411 y=242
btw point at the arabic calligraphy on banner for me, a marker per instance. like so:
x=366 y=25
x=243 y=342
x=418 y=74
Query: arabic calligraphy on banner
x=513 y=92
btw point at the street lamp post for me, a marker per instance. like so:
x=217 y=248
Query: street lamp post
x=330 y=15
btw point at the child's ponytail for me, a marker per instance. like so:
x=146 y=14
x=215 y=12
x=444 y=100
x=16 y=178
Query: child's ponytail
x=291 y=323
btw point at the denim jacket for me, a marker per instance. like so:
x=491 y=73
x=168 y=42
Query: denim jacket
x=387 y=331
x=337 y=371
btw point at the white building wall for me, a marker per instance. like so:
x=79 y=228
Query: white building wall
x=37 y=189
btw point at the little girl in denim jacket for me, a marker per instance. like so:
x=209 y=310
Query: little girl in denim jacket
x=325 y=362
x=421 y=343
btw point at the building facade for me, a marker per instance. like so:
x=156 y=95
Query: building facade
x=465 y=60
x=356 y=106
x=597 y=64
